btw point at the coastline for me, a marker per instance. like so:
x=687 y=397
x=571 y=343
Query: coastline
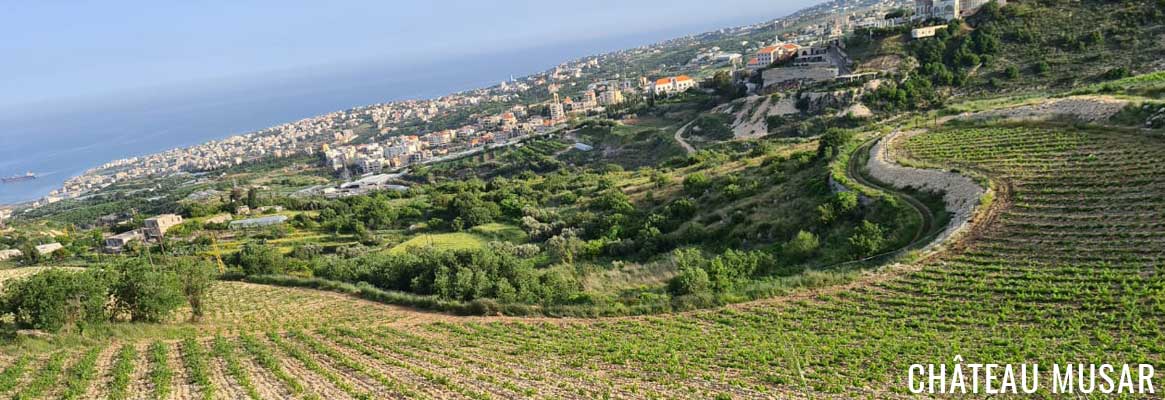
x=160 y=129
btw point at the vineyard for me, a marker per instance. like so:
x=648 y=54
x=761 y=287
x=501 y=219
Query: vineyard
x=1068 y=265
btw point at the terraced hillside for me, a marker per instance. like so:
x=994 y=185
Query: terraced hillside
x=1069 y=264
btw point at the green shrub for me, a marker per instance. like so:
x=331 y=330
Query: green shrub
x=56 y=299
x=260 y=259
x=696 y=183
x=195 y=278
x=867 y=239
x=145 y=292
x=690 y=281
x=801 y=247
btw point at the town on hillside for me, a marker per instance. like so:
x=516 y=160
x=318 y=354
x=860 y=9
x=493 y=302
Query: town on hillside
x=807 y=48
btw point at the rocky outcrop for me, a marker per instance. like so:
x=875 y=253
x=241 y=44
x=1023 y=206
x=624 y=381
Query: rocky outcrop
x=960 y=194
x=749 y=115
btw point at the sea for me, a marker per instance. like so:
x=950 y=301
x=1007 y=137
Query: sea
x=59 y=141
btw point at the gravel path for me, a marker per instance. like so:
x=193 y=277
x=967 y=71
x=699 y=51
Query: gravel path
x=960 y=194
x=680 y=138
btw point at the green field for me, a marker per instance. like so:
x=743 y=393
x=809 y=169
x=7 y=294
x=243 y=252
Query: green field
x=476 y=238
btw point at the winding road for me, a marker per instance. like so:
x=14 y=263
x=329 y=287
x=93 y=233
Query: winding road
x=926 y=230
x=680 y=138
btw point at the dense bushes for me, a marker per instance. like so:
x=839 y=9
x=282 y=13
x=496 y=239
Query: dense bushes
x=133 y=290
x=462 y=275
x=722 y=274
x=144 y=292
x=54 y=299
x=713 y=126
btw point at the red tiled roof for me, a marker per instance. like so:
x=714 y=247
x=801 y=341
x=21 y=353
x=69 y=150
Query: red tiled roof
x=769 y=49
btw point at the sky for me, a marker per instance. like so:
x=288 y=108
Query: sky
x=54 y=51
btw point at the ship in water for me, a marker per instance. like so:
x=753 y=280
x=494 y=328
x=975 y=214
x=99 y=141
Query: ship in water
x=18 y=178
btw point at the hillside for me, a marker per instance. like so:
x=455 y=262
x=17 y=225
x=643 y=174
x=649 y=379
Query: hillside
x=801 y=252
x=1071 y=237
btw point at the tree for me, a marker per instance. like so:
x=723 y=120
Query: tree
x=1042 y=67
x=196 y=278
x=696 y=183
x=867 y=239
x=563 y=247
x=1012 y=72
x=724 y=85
x=692 y=278
x=55 y=299
x=259 y=259
x=845 y=202
x=690 y=281
x=30 y=254
x=802 y=246
x=832 y=142
x=253 y=198
x=145 y=292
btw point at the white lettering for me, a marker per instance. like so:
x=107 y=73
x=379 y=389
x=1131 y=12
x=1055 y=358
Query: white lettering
x=921 y=386
x=1146 y=381
x=1035 y=378
x=1091 y=378
x=975 y=376
x=1107 y=385
x=1126 y=380
x=1061 y=383
x=957 y=380
x=940 y=377
x=990 y=372
x=1008 y=380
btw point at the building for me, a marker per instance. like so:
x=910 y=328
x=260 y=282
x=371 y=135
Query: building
x=947 y=10
x=589 y=98
x=925 y=32
x=557 y=113
x=674 y=84
x=155 y=228
x=731 y=58
x=116 y=243
x=793 y=76
x=258 y=222
x=771 y=54
x=611 y=97
x=46 y=249
x=815 y=55
x=6 y=255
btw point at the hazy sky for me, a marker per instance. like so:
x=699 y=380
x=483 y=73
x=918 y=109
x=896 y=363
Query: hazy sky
x=66 y=49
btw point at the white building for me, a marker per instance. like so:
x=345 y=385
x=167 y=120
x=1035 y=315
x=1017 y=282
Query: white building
x=155 y=228
x=115 y=243
x=557 y=113
x=6 y=255
x=46 y=249
x=258 y=222
x=674 y=84
x=925 y=32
